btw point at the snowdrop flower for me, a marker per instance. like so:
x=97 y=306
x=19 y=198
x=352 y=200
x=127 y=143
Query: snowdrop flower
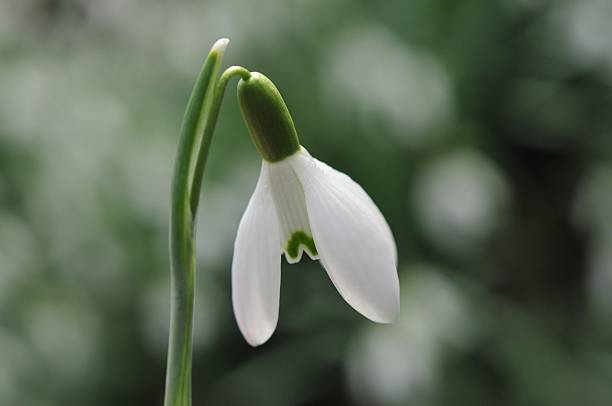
x=302 y=205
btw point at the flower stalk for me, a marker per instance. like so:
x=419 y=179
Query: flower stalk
x=194 y=143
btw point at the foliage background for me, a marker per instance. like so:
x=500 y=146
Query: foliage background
x=481 y=128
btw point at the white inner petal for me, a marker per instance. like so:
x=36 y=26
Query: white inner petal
x=294 y=227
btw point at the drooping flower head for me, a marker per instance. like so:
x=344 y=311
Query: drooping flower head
x=302 y=205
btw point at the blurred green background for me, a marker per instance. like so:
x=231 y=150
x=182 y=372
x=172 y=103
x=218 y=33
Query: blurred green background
x=481 y=128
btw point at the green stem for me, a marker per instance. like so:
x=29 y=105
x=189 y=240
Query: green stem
x=194 y=143
x=209 y=129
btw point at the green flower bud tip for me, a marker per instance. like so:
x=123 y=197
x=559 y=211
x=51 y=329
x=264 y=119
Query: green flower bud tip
x=267 y=118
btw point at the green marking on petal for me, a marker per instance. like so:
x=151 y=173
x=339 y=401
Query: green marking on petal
x=301 y=238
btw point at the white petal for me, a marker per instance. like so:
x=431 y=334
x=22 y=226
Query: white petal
x=288 y=196
x=357 y=190
x=256 y=267
x=353 y=239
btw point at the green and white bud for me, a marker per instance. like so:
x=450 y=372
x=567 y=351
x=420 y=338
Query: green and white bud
x=267 y=118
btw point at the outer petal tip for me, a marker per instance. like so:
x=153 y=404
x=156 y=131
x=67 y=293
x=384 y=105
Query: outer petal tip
x=380 y=305
x=257 y=335
x=390 y=313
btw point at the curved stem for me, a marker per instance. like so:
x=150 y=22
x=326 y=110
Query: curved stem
x=209 y=129
x=195 y=137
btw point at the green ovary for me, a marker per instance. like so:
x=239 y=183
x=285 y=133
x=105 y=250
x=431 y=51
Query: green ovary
x=300 y=238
